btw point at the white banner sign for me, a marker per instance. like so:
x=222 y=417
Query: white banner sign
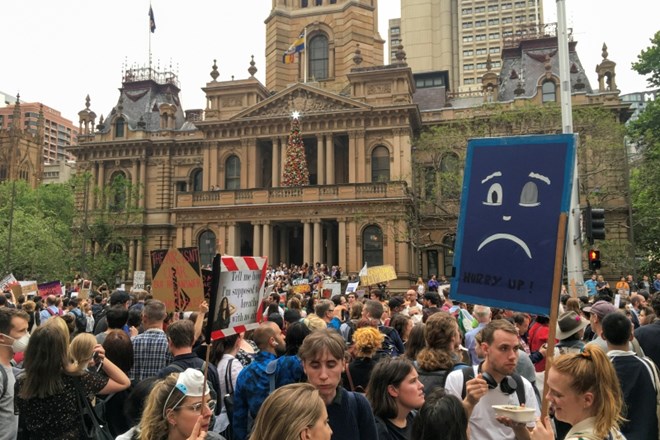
x=138 y=279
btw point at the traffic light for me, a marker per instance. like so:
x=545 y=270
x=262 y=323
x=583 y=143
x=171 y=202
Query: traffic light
x=594 y=259
x=594 y=224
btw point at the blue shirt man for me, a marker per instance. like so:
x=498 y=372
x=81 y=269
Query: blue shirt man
x=253 y=382
x=591 y=286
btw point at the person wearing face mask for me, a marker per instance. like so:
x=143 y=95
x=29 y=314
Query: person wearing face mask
x=14 y=338
x=253 y=382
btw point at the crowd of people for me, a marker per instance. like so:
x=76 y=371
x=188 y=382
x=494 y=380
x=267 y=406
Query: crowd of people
x=386 y=366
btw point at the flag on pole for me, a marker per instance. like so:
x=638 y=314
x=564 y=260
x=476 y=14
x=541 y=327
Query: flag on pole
x=152 y=20
x=297 y=46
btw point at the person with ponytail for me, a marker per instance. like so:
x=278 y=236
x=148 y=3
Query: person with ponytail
x=583 y=389
x=225 y=351
x=439 y=357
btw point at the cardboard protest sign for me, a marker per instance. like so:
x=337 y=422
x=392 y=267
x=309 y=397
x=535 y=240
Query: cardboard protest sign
x=515 y=191
x=301 y=285
x=85 y=288
x=331 y=289
x=7 y=280
x=27 y=288
x=50 y=288
x=239 y=290
x=352 y=287
x=176 y=279
x=378 y=274
x=139 y=277
x=207 y=281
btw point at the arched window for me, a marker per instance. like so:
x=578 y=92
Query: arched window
x=318 y=57
x=380 y=164
x=372 y=245
x=119 y=127
x=233 y=173
x=118 y=189
x=207 y=247
x=549 y=90
x=448 y=254
x=196 y=178
x=24 y=173
x=450 y=177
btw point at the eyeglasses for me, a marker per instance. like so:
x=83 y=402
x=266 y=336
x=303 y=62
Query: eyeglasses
x=197 y=407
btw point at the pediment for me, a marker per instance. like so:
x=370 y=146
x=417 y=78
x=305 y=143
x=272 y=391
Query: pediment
x=304 y=99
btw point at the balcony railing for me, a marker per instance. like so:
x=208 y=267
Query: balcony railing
x=284 y=195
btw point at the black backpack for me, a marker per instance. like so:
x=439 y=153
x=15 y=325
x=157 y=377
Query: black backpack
x=81 y=321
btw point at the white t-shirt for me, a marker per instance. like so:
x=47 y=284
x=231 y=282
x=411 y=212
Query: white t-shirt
x=483 y=425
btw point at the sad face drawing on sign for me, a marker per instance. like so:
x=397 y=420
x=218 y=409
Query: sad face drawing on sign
x=507 y=208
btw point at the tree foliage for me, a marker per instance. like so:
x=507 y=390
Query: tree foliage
x=644 y=133
x=600 y=156
x=40 y=230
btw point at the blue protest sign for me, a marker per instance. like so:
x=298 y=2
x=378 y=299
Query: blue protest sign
x=514 y=191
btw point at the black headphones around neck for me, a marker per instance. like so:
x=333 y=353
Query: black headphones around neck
x=508 y=385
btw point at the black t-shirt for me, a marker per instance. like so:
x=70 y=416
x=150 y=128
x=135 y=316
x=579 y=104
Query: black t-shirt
x=360 y=370
x=389 y=431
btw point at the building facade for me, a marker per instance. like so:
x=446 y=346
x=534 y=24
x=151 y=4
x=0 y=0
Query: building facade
x=459 y=36
x=212 y=178
x=59 y=132
x=20 y=149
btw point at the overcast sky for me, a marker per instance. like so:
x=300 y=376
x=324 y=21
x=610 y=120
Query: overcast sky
x=58 y=51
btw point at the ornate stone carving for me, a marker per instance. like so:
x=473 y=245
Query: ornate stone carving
x=232 y=101
x=379 y=88
x=303 y=101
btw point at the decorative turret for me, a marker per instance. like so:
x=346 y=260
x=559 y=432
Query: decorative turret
x=606 y=73
x=490 y=82
x=16 y=117
x=87 y=119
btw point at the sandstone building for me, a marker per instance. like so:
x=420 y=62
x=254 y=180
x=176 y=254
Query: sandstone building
x=212 y=178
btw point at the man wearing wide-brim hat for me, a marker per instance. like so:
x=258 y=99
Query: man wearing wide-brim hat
x=570 y=329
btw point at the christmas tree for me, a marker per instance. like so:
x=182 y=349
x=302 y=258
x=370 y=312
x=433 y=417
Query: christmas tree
x=295 y=167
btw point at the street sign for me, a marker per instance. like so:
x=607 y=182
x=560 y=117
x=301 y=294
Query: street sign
x=514 y=191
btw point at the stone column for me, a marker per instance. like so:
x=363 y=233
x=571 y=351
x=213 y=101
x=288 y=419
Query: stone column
x=134 y=172
x=256 y=239
x=320 y=160
x=266 y=240
x=283 y=143
x=101 y=184
x=179 y=236
x=94 y=182
x=361 y=174
x=341 y=242
x=276 y=168
x=213 y=165
x=329 y=159
x=352 y=156
x=143 y=182
x=318 y=241
x=230 y=248
x=139 y=257
x=307 y=242
x=131 y=257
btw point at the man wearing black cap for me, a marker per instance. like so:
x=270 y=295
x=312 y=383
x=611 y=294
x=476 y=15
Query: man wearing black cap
x=118 y=297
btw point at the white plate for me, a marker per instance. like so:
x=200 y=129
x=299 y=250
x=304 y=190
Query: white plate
x=518 y=414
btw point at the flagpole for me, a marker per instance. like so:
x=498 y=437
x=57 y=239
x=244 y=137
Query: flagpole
x=304 y=55
x=150 y=32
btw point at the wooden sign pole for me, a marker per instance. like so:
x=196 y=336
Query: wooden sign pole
x=554 y=305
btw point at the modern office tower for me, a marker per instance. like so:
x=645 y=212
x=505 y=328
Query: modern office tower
x=394 y=38
x=59 y=132
x=457 y=36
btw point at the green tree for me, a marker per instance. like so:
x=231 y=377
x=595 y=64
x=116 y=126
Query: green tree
x=100 y=249
x=644 y=133
x=40 y=230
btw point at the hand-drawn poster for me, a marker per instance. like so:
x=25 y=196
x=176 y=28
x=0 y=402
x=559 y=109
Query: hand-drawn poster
x=514 y=191
x=176 y=279
x=239 y=289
